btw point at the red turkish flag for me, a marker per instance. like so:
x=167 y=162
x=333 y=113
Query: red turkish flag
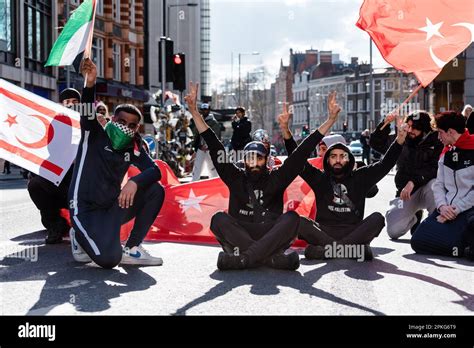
x=188 y=208
x=419 y=36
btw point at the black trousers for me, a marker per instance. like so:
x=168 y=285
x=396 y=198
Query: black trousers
x=98 y=231
x=362 y=233
x=257 y=241
x=49 y=198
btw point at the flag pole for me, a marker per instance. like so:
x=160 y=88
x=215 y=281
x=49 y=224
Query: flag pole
x=410 y=97
x=87 y=51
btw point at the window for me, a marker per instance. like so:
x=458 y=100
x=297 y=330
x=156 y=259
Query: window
x=350 y=105
x=133 y=67
x=360 y=87
x=98 y=55
x=389 y=85
x=132 y=13
x=350 y=88
x=100 y=7
x=116 y=10
x=38 y=32
x=6 y=17
x=360 y=105
x=117 y=62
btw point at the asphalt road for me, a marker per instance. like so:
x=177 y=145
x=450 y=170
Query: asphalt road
x=396 y=282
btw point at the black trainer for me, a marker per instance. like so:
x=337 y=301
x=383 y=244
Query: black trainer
x=289 y=262
x=368 y=254
x=227 y=262
x=469 y=253
x=314 y=252
x=56 y=232
x=419 y=216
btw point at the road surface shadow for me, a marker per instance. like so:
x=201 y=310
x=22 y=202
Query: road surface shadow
x=265 y=282
x=427 y=259
x=88 y=288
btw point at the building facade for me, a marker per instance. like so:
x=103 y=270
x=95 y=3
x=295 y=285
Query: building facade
x=117 y=50
x=26 y=38
x=188 y=25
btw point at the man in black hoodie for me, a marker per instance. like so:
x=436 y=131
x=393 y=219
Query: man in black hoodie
x=340 y=199
x=242 y=128
x=255 y=231
x=416 y=171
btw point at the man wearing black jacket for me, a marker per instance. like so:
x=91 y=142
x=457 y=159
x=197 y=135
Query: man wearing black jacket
x=255 y=231
x=416 y=171
x=98 y=204
x=242 y=128
x=340 y=199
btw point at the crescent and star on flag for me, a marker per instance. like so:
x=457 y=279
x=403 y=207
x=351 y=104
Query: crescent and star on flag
x=434 y=30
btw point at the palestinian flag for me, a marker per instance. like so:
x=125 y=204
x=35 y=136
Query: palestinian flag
x=75 y=40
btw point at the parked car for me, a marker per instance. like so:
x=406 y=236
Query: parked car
x=356 y=148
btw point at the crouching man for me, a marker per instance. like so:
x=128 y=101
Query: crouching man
x=450 y=228
x=98 y=204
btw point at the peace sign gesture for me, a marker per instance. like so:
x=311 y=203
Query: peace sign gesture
x=191 y=97
x=333 y=107
x=402 y=128
x=284 y=117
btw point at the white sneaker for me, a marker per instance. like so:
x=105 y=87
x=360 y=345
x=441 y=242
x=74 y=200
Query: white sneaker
x=139 y=256
x=77 y=252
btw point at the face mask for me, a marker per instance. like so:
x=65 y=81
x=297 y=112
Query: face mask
x=121 y=136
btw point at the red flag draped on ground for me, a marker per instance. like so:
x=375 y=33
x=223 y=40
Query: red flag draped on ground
x=37 y=134
x=188 y=208
x=419 y=36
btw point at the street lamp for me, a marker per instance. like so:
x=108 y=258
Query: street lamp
x=240 y=59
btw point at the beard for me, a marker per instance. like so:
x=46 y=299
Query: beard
x=256 y=173
x=339 y=170
x=413 y=141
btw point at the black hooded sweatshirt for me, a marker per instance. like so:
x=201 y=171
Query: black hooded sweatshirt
x=418 y=161
x=265 y=203
x=332 y=207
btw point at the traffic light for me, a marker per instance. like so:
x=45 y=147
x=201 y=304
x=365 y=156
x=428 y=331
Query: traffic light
x=169 y=48
x=179 y=71
x=305 y=131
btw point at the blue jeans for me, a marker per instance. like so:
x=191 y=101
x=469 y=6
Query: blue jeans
x=448 y=239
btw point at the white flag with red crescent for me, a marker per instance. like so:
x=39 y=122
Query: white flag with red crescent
x=36 y=133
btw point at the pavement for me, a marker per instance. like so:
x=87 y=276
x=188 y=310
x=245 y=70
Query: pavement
x=396 y=282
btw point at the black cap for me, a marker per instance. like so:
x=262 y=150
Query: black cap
x=69 y=93
x=255 y=147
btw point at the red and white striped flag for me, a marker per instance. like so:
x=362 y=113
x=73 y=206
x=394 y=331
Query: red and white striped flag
x=36 y=133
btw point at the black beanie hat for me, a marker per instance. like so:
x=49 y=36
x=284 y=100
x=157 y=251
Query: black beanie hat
x=69 y=93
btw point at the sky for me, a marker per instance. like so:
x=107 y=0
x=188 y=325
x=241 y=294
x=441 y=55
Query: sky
x=272 y=27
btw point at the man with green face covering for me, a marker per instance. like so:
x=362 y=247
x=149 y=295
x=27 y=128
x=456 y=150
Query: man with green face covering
x=98 y=204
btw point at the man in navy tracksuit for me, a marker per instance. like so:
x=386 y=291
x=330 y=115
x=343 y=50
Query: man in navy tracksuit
x=98 y=205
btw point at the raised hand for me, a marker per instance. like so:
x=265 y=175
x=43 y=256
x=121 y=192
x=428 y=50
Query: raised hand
x=333 y=107
x=191 y=97
x=284 y=117
x=402 y=129
x=89 y=71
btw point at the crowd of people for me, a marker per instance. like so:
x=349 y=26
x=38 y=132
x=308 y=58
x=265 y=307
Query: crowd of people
x=434 y=157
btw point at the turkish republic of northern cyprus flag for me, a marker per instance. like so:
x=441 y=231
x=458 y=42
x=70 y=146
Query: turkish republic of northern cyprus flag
x=36 y=133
